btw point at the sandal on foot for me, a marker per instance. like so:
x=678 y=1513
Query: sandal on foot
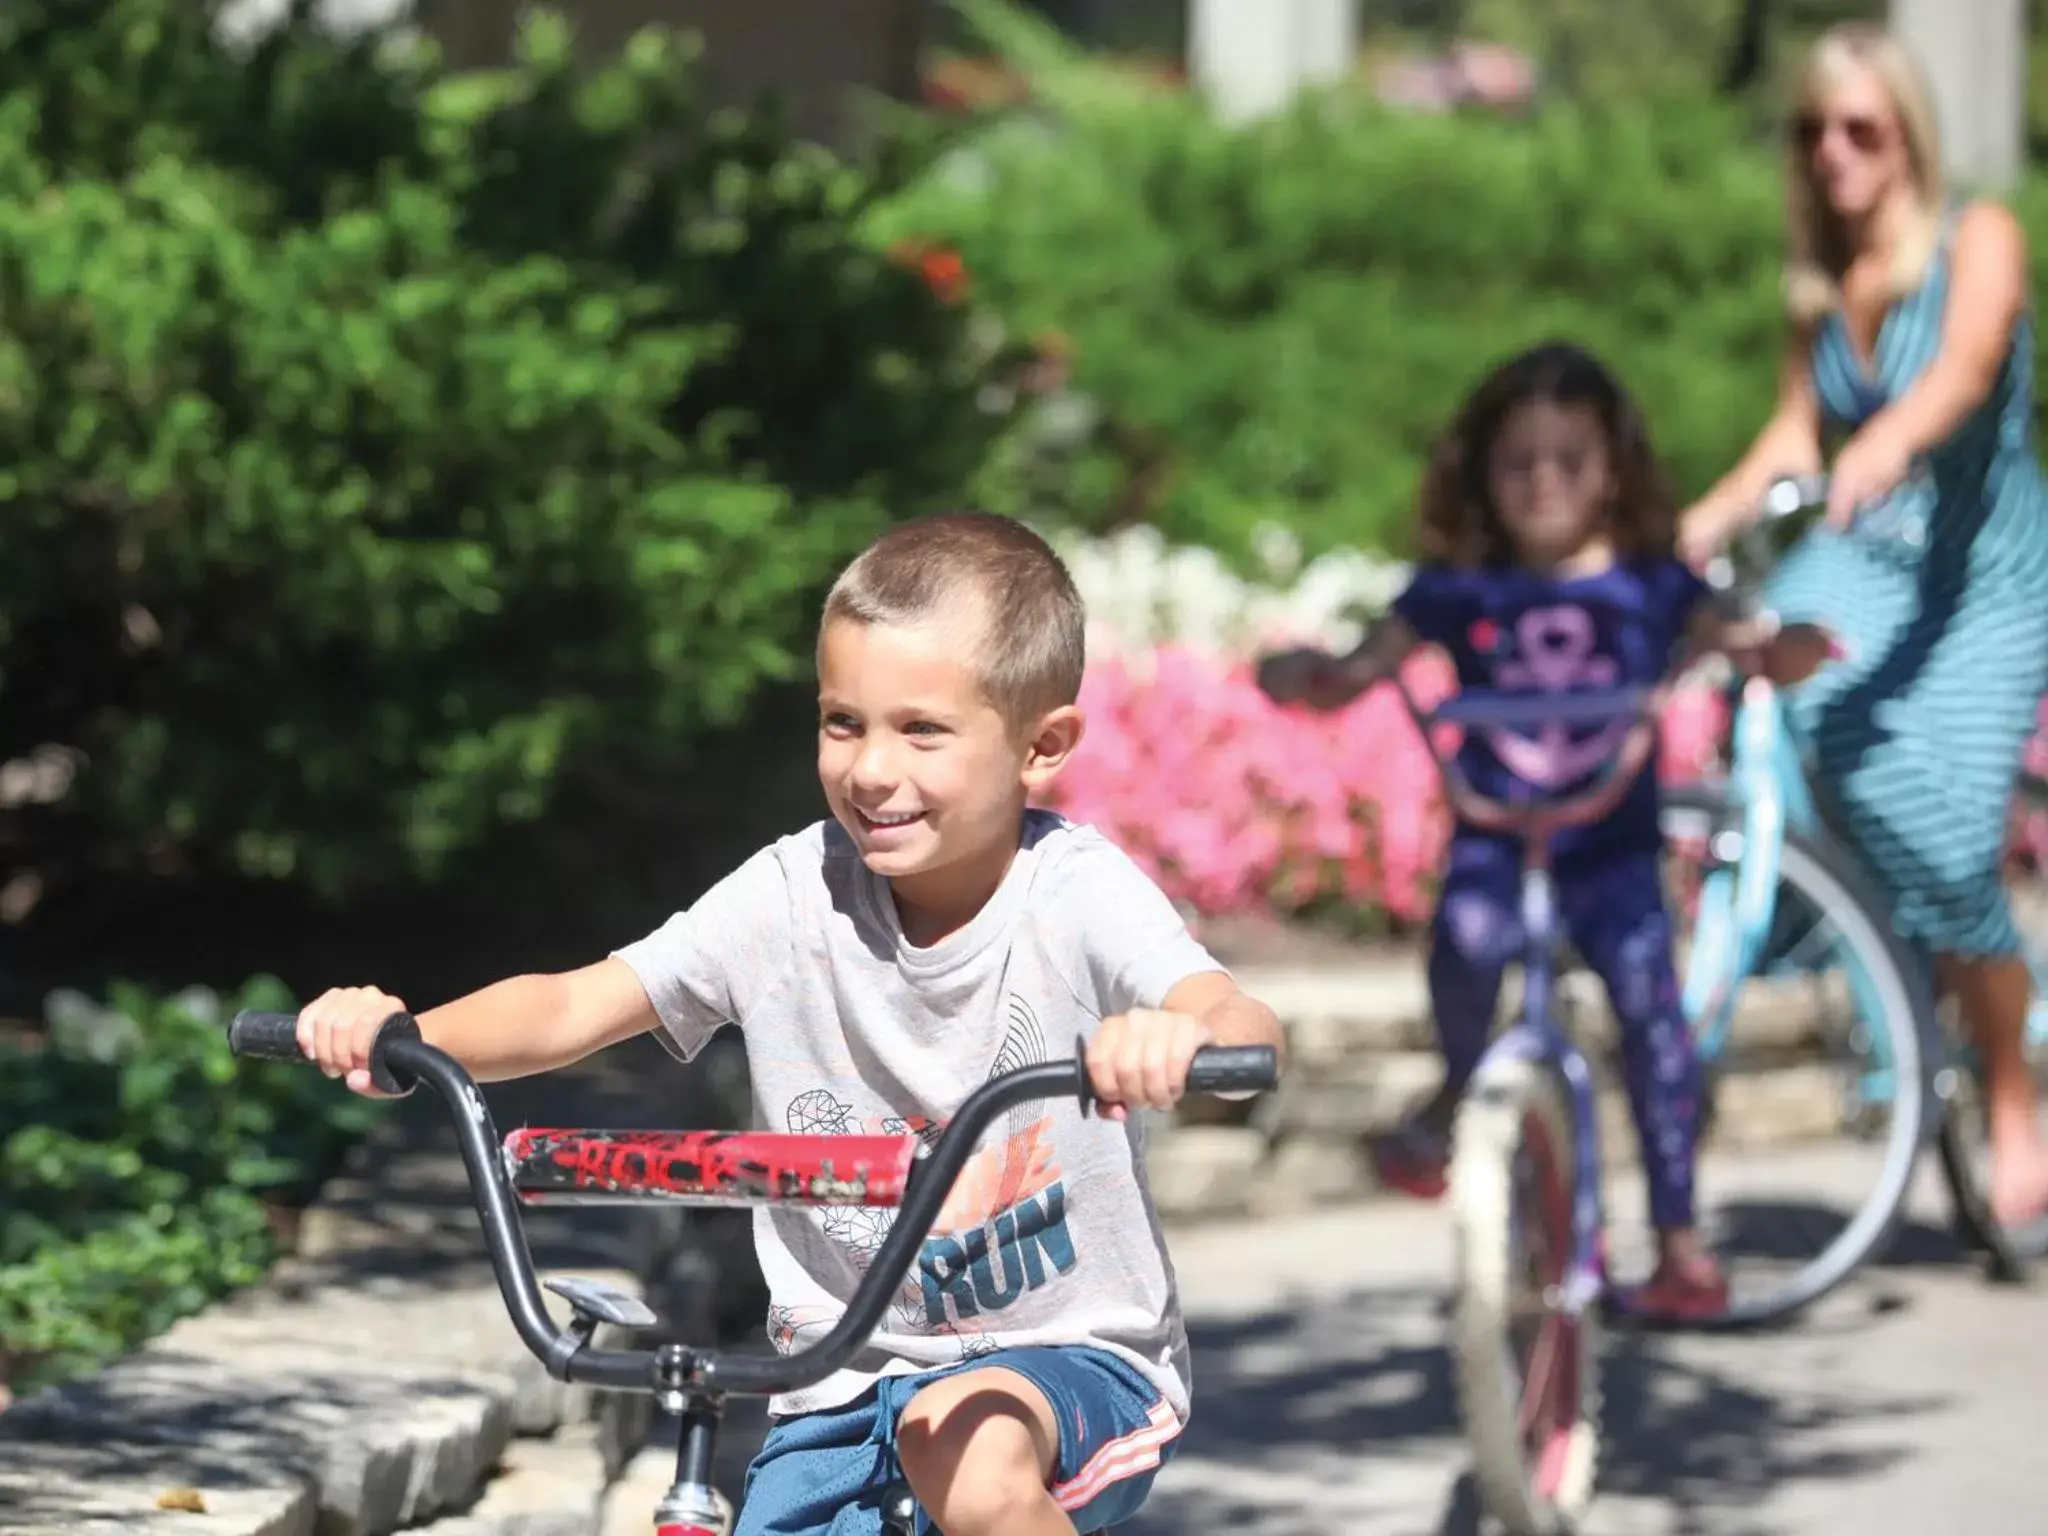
x=1414 y=1160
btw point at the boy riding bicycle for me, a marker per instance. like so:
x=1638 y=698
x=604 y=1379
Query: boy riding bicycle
x=1033 y=1376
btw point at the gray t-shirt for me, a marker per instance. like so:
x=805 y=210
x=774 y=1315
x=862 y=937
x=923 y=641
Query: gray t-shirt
x=1050 y=1236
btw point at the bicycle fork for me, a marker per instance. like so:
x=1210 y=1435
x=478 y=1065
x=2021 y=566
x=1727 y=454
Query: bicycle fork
x=693 y=1506
x=1585 y=1277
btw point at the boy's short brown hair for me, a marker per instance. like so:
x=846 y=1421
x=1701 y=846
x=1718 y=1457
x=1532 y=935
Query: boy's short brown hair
x=990 y=571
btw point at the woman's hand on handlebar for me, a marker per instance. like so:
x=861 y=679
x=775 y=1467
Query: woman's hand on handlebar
x=1705 y=526
x=1872 y=464
x=337 y=1029
x=1784 y=654
x=1796 y=652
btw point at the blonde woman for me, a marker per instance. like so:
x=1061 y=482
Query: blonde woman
x=1913 y=349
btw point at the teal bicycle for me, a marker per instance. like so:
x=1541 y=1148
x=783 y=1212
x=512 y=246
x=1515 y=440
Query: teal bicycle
x=1774 y=894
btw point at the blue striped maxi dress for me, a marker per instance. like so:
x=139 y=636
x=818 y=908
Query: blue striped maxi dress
x=1941 y=595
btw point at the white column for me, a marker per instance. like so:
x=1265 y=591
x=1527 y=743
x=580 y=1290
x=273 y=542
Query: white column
x=1251 y=56
x=1327 y=36
x=1976 y=54
x=243 y=20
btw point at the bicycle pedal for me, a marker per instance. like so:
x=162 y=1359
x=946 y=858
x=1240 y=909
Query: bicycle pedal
x=602 y=1302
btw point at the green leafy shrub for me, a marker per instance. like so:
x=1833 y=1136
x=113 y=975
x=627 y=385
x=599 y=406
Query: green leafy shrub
x=1271 y=321
x=142 y=1158
x=376 y=442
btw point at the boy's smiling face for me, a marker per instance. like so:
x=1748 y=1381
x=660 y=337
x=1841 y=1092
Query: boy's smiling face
x=922 y=771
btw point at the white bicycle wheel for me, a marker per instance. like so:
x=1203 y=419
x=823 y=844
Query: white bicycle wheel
x=1527 y=1372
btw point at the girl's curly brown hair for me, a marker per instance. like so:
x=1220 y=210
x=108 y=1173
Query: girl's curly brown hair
x=1459 y=524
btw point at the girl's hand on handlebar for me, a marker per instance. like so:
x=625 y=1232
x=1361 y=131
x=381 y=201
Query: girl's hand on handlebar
x=1141 y=1059
x=1305 y=676
x=337 y=1029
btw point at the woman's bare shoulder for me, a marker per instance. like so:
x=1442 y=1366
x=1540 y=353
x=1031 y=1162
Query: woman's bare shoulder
x=1986 y=225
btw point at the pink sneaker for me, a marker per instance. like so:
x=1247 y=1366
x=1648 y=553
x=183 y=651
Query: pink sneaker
x=1415 y=1160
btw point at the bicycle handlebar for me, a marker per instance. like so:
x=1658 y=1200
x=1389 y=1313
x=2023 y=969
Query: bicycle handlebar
x=1792 y=494
x=1540 y=818
x=1786 y=497
x=1608 y=706
x=400 y=1059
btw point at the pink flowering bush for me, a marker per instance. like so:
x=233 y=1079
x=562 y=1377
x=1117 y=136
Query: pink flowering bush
x=1695 y=730
x=1236 y=805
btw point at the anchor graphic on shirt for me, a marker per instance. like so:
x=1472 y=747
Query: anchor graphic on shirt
x=1554 y=655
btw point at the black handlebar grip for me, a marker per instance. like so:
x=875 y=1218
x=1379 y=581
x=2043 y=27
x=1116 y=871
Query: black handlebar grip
x=383 y=1076
x=1234 y=1069
x=265 y=1036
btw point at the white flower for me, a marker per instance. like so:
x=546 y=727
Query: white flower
x=1142 y=593
x=1279 y=551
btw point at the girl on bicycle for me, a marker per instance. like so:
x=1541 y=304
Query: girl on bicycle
x=1912 y=347
x=1547 y=534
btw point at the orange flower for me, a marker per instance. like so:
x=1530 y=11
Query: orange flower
x=939 y=266
x=945 y=274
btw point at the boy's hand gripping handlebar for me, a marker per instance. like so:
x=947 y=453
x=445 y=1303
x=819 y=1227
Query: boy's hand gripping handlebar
x=711 y=1166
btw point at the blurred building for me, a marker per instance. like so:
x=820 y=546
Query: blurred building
x=821 y=56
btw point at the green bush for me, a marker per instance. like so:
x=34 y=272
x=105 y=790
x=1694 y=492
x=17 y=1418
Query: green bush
x=376 y=441
x=134 y=1187
x=1271 y=322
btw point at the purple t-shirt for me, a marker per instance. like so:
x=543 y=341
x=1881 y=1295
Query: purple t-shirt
x=1514 y=631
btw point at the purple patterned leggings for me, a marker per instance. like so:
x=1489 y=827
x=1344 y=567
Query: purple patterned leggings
x=1611 y=904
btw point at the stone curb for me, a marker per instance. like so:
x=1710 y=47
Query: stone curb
x=629 y=1503
x=287 y=1410
x=1381 y=1003
x=552 y=1487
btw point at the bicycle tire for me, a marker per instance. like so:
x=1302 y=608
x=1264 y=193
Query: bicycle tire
x=2008 y=1252
x=1831 y=883
x=1506 y=1100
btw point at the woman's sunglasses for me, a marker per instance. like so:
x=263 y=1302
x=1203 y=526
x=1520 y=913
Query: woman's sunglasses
x=1866 y=135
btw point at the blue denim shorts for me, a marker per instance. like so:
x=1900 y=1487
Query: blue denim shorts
x=825 y=1473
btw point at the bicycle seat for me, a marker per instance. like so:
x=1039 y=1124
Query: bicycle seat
x=604 y=1303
